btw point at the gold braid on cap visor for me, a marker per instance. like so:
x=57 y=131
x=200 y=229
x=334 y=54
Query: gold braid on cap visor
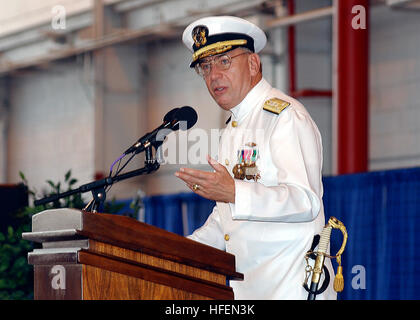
x=216 y=48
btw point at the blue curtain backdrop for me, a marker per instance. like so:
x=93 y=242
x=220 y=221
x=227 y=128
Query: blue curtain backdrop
x=381 y=211
x=166 y=212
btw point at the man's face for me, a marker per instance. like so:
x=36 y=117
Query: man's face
x=229 y=87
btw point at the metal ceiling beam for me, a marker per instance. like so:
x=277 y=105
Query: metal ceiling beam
x=300 y=17
x=167 y=29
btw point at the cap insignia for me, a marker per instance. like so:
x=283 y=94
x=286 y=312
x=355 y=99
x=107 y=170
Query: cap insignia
x=199 y=35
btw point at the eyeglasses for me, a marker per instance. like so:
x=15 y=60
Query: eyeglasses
x=222 y=62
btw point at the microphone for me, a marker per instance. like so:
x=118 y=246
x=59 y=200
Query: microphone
x=170 y=115
x=170 y=123
x=185 y=115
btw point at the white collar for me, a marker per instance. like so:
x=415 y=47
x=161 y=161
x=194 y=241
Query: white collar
x=253 y=97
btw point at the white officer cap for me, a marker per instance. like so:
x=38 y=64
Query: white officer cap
x=214 y=35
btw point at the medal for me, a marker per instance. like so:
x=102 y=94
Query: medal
x=246 y=166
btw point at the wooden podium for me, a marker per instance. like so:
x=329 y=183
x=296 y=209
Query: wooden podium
x=102 y=256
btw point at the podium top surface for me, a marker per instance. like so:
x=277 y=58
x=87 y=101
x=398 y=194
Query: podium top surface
x=125 y=232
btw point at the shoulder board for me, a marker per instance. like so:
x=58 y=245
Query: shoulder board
x=275 y=105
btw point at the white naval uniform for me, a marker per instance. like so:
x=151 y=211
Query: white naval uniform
x=272 y=223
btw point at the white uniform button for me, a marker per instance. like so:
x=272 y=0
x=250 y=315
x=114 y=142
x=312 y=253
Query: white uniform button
x=227 y=162
x=234 y=124
x=227 y=237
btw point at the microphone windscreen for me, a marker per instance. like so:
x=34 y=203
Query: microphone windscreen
x=185 y=115
x=170 y=115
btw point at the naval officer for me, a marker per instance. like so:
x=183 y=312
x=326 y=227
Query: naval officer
x=267 y=185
